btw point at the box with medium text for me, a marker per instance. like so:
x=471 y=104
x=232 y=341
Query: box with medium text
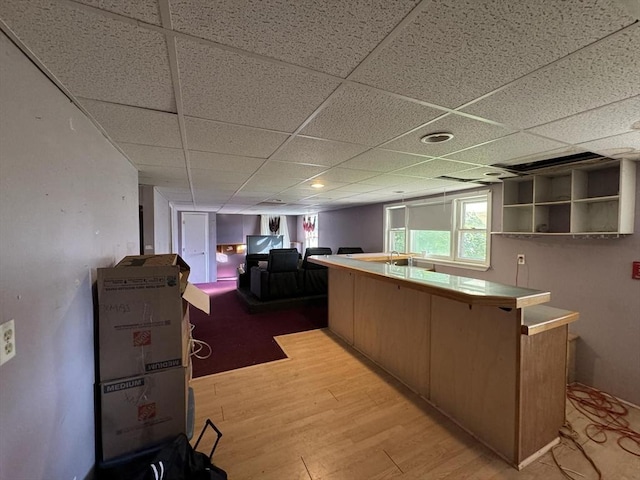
x=143 y=411
x=143 y=322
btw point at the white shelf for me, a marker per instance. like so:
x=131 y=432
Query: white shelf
x=598 y=199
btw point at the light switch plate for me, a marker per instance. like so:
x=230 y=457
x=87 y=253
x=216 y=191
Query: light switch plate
x=7 y=341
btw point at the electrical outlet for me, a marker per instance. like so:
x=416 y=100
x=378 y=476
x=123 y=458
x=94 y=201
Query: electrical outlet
x=7 y=341
x=521 y=259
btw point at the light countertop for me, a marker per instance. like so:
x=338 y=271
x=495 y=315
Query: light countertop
x=463 y=289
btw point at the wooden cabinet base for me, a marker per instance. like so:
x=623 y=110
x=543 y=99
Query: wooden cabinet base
x=474 y=363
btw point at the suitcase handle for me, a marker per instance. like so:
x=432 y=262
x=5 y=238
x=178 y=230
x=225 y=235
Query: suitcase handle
x=209 y=423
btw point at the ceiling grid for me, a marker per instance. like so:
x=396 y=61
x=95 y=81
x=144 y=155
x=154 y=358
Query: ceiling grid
x=237 y=107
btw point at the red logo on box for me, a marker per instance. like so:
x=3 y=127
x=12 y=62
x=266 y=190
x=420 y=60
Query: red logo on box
x=141 y=338
x=635 y=274
x=146 y=412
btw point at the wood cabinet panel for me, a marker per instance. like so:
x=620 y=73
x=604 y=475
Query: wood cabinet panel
x=341 y=295
x=542 y=389
x=391 y=326
x=474 y=367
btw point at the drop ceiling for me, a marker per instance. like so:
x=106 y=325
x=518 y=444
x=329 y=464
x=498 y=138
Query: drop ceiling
x=238 y=106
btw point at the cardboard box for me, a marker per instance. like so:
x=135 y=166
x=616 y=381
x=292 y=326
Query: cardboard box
x=140 y=412
x=143 y=323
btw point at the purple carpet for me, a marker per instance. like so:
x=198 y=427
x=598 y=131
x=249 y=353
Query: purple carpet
x=239 y=339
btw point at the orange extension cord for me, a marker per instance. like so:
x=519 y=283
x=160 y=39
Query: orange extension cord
x=607 y=415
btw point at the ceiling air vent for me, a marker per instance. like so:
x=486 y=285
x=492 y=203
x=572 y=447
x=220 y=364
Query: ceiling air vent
x=465 y=180
x=552 y=163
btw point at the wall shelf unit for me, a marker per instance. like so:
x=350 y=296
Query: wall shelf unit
x=591 y=199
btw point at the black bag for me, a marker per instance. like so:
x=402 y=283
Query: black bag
x=176 y=460
x=179 y=461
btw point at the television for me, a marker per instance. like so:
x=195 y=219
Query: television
x=261 y=244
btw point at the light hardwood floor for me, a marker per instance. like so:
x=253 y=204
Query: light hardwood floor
x=327 y=412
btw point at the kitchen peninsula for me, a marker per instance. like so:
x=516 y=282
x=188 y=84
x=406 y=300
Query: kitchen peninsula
x=490 y=356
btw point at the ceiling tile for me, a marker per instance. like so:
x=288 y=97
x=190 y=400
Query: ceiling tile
x=290 y=170
x=357 y=188
x=379 y=160
x=331 y=37
x=507 y=149
x=385 y=180
x=213 y=194
x=227 y=180
x=317 y=152
x=204 y=197
x=345 y=175
x=305 y=189
x=163 y=176
x=426 y=184
x=432 y=169
x=419 y=188
x=244 y=197
x=218 y=137
x=457 y=50
x=224 y=162
x=289 y=197
x=486 y=174
x=626 y=145
x=361 y=115
x=612 y=119
x=158 y=156
x=467 y=132
x=269 y=183
x=95 y=56
x=175 y=194
x=135 y=125
x=330 y=195
x=226 y=86
x=603 y=73
x=145 y=10
x=229 y=208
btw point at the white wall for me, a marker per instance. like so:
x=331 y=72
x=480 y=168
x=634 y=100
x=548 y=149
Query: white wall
x=161 y=223
x=68 y=204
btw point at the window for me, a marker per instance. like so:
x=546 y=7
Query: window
x=453 y=230
x=395 y=220
x=310 y=227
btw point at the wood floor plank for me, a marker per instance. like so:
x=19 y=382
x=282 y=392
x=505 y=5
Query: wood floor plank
x=328 y=413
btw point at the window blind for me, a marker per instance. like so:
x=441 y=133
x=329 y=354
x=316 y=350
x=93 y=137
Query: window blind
x=434 y=216
x=396 y=217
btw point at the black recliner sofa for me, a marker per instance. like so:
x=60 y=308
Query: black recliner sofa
x=315 y=278
x=349 y=250
x=280 y=279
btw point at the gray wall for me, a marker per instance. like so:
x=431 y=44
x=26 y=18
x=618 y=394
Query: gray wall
x=352 y=227
x=68 y=204
x=591 y=276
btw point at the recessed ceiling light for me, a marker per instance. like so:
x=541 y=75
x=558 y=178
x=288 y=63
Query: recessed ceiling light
x=437 y=137
x=317 y=185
